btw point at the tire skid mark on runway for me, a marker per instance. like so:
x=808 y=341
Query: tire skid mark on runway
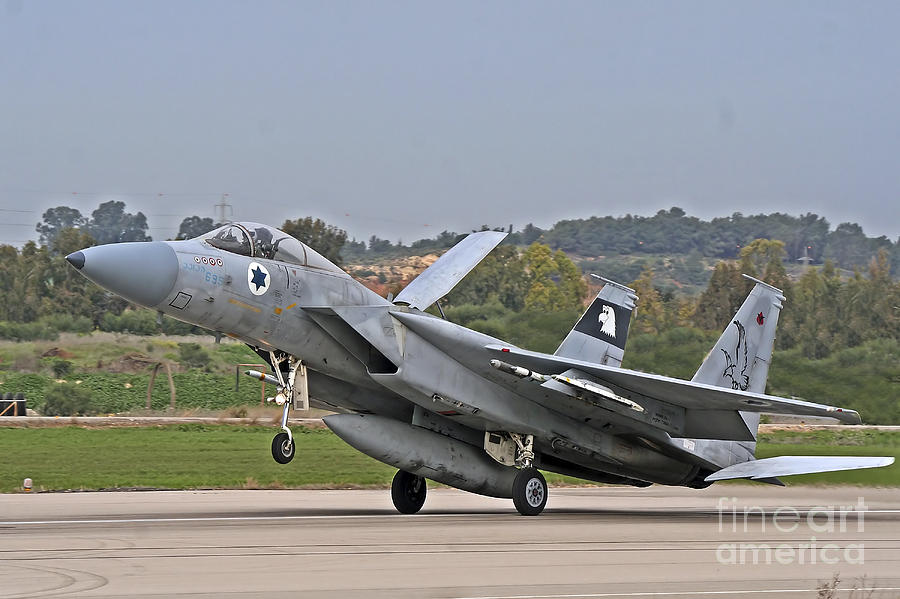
x=74 y=581
x=178 y=554
x=676 y=593
x=338 y=551
x=513 y=546
x=464 y=516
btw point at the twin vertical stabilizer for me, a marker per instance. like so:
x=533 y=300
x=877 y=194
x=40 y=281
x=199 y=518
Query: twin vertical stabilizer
x=741 y=357
x=599 y=335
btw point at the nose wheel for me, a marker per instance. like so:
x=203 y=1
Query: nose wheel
x=283 y=448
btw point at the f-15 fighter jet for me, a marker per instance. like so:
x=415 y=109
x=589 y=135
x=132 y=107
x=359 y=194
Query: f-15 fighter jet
x=442 y=402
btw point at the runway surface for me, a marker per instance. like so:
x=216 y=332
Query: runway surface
x=591 y=542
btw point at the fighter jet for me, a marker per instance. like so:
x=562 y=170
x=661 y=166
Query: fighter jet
x=442 y=402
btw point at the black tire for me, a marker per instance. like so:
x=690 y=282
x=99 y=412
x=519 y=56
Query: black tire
x=282 y=448
x=408 y=492
x=529 y=492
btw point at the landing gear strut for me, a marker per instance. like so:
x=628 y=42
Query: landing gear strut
x=408 y=492
x=283 y=443
x=529 y=487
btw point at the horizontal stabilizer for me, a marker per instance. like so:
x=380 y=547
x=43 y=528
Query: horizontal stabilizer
x=787 y=465
x=686 y=394
x=437 y=280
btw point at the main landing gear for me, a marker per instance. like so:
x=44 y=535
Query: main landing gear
x=408 y=492
x=529 y=487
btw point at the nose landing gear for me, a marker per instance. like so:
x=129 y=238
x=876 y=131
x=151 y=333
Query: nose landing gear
x=295 y=389
x=529 y=487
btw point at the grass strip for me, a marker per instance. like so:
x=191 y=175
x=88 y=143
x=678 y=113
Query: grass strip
x=196 y=456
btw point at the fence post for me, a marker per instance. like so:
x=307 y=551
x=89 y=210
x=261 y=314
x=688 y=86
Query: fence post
x=150 y=384
x=171 y=388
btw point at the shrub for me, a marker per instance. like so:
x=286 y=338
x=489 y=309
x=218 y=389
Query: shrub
x=170 y=326
x=27 y=331
x=138 y=322
x=67 y=400
x=493 y=327
x=192 y=355
x=146 y=322
x=467 y=313
x=61 y=368
x=67 y=323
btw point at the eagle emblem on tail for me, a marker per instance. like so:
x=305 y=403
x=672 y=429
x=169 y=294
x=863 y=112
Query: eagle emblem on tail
x=742 y=380
x=607 y=320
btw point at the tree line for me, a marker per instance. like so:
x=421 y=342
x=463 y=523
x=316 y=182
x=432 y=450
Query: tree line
x=673 y=232
x=823 y=308
x=822 y=312
x=531 y=295
x=668 y=232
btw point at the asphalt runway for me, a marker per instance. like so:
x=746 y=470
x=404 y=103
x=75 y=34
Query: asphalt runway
x=591 y=542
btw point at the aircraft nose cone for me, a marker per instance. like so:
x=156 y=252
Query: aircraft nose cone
x=76 y=259
x=142 y=272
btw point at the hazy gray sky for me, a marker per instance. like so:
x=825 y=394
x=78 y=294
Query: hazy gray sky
x=385 y=117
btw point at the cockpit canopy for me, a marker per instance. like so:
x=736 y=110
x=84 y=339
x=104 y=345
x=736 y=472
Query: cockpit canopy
x=262 y=241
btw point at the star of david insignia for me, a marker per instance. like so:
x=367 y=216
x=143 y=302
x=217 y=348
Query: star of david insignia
x=257 y=278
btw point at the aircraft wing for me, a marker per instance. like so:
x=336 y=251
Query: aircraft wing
x=787 y=465
x=437 y=280
x=635 y=386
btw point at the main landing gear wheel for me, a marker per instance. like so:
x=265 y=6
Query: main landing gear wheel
x=282 y=448
x=408 y=492
x=529 y=492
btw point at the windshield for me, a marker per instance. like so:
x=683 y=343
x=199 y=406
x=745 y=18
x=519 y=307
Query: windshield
x=262 y=241
x=231 y=238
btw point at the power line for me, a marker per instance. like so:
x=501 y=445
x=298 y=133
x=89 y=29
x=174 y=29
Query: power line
x=39 y=212
x=57 y=192
x=30 y=225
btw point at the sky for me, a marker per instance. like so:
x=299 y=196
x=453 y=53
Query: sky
x=404 y=119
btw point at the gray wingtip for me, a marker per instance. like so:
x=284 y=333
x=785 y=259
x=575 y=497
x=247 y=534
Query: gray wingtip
x=615 y=284
x=764 y=284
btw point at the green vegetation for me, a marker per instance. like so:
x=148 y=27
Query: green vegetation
x=112 y=393
x=109 y=223
x=114 y=371
x=837 y=342
x=862 y=378
x=67 y=400
x=865 y=378
x=179 y=457
x=539 y=331
x=193 y=355
x=319 y=235
x=191 y=456
x=671 y=233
